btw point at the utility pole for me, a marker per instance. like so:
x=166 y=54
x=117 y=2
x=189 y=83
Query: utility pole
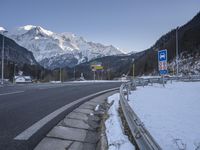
x=94 y=75
x=2 y=59
x=177 y=51
x=14 y=73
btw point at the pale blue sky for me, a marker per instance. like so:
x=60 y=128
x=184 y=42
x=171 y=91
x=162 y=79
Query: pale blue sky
x=131 y=25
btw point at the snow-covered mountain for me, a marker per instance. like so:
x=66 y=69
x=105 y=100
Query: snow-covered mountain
x=59 y=49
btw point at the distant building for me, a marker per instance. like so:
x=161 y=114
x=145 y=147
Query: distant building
x=82 y=77
x=23 y=79
x=124 y=77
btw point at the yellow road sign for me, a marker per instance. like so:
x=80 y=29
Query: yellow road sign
x=97 y=67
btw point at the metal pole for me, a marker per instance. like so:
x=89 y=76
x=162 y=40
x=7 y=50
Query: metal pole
x=177 y=51
x=127 y=93
x=163 y=80
x=14 y=74
x=133 y=70
x=133 y=67
x=74 y=73
x=94 y=75
x=2 y=61
x=60 y=74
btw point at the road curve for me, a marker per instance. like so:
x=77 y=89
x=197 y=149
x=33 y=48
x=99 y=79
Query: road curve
x=23 y=105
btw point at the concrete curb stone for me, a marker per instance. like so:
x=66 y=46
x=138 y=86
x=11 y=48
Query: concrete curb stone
x=80 y=129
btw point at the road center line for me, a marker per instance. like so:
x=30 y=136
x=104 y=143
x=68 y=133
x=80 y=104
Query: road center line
x=16 y=92
x=26 y=134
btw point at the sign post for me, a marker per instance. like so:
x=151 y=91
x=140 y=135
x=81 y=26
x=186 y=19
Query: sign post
x=162 y=63
x=96 y=68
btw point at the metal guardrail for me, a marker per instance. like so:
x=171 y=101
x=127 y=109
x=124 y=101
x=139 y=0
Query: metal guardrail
x=142 y=137
x=169 y=78
x=186 y=78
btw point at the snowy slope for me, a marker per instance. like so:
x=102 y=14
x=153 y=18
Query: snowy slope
x=188 y=64
x=171 y=114
x=16 y=53
x=50 y=46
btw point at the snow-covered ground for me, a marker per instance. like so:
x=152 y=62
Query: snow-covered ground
x=171 y=114
x=114 y=129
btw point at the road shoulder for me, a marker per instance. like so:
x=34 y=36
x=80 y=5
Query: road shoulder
x=80 y=129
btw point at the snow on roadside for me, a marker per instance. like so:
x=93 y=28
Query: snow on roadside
x=114 y=129
x=171 y=114
x=96 y=108
x=86 y=81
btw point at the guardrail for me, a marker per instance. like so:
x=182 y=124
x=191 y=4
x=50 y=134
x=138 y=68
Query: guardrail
x=142 y=137
x=186 y=78
x=145 y=81
x=169 y=78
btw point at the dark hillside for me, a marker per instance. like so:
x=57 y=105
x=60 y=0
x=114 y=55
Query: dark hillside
x=189 y=43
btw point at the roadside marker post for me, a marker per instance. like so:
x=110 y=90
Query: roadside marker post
x=162 y=63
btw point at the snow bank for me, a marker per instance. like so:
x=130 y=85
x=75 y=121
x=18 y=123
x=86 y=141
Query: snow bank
x=149 y=77
x=86 y=81
x=114 y=129
x=55 y=81
x=171 y=114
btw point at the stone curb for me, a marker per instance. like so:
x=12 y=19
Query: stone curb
x=79 y=130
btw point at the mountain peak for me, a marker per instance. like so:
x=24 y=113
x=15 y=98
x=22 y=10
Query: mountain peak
x=2 y=29
x=26 y=28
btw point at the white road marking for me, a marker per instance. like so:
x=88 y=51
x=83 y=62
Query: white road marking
x=16 y=92
x=26 y=134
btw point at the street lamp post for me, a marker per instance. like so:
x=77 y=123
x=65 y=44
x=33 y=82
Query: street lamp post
x=2 y=59
x=177 y=51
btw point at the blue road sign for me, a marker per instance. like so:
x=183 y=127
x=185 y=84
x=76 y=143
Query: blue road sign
x=162 y=62
x=162 y=72
x=162 y=55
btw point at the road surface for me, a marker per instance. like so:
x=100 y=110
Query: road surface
x=21 y=106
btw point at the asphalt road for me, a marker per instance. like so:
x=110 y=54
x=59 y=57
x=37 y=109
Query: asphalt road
x=23 y=105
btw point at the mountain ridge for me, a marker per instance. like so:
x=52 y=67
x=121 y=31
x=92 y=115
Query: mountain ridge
x=47 y=46
x=146 y=62
x=188 y=43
